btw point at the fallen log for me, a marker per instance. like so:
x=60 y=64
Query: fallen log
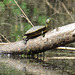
x=55 y=38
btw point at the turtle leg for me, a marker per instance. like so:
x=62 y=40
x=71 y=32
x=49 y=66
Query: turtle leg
x=43 y=55
x=25 y=39
x=37 y=55
x=42 y=33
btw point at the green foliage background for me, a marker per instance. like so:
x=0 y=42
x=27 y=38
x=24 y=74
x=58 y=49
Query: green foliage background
x=13 y=26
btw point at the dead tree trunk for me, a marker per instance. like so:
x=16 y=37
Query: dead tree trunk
x=55 y=38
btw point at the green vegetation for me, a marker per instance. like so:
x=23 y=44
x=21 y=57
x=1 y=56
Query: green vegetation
x=13 y=16
x=5 y=70
x=42 y=19
x=13 y=26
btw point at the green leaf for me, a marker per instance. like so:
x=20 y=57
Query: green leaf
x=27 y=26
x=24 y=7
x=35 y=11
x=9 y=1
x=17 y=11
x=2 y=6
x=42 y=19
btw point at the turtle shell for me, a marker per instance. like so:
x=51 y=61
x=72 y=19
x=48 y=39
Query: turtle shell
x=34 y=29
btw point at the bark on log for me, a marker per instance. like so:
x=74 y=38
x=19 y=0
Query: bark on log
x=55 y=38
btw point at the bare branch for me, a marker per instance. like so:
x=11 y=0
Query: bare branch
x=49 y=4
x=5 y=38
x=62 y=48
x=52 y=39
x=66 y=10
x=3 y=44
x=66 y=48
x=64 y=57
x=23 y=13
x=5 y=24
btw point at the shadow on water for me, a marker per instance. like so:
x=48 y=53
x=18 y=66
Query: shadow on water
x=35 y=66
x=61 y=66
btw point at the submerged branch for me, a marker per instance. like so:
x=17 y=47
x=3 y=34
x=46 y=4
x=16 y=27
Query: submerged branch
x=66 y=48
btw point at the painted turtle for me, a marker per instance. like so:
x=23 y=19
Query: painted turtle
x=36 y=31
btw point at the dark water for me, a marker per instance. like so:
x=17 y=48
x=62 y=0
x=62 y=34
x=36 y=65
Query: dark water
x=23 y=65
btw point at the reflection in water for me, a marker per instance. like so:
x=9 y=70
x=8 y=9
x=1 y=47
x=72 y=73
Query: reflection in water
x=38 y=66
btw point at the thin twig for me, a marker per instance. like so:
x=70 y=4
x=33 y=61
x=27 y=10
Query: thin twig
x=0 y=40
x=4 y=43
x=66 y=48
x=23 y=13
x=66 y=10
x=5 y=38
x=48 y=3
x=5 y=24
x=64 y=57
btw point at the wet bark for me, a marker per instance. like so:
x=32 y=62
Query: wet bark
x=52 y=39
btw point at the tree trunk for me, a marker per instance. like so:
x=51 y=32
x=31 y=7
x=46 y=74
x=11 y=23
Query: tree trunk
x=55 y=38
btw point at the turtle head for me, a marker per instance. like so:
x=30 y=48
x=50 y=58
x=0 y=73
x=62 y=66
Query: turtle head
x=24 y=37
x=48 y=21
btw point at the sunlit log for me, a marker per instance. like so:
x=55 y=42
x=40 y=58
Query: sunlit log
x=53 y=39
